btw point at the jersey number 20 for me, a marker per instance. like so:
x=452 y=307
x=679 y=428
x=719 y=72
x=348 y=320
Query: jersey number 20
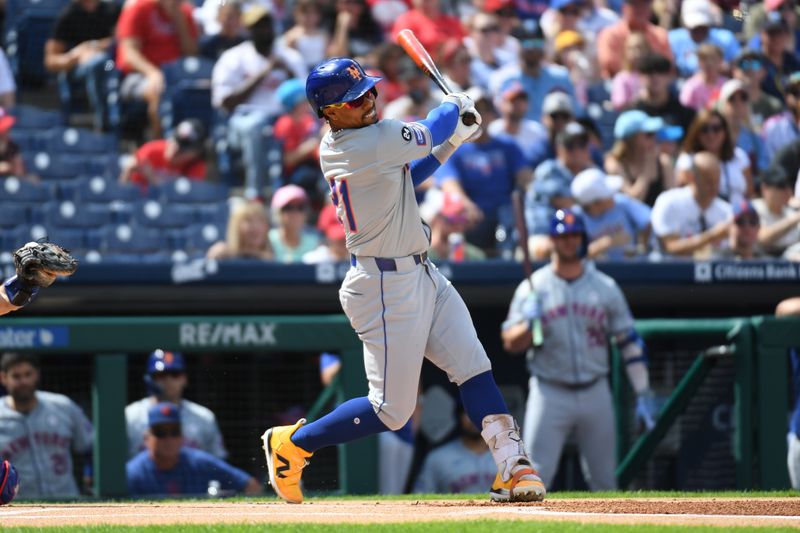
x=343 y=192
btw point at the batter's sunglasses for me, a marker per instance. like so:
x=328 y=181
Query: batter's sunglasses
x=354 y=104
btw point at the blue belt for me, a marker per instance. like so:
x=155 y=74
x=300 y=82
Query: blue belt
x=387 y=264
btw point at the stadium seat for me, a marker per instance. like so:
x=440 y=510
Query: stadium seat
x=73 y=239
x=12 y=214
x=79 y=141
x=129 y=239
x=27 y=233
x=14 y=189
x=200 y=237
x=187 y=92
x=28 y=25
x=98 y=190
x=32 y=118
x=151 y=213
x=54 y=166
x=68 y=214
x=184 y=190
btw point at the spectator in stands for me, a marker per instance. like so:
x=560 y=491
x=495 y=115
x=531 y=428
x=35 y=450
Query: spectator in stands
x=39 y=431
x=657 y=98
x=635 y=156
x=506 y=13
x=230 y=31
x=749 y=68
x=788 y=158
x=758 y=14
x=487 y=56
x=298 y=130
x=743 y=233
x=8 y=87
x=168 y=467
x=463 y=465
x=780 y=62
x=696 y=92
x=484 y=173
x=291 y=238
x=389 y=59
x=163 y=160
x=431 y=26
x=531 y=137
x=780 y=222
x=693 y=220
x=247 y=235
x=734 y=104
x=446 y=215
x=307 y=36
x=635 y=18
x=79 y=48
x=570 y=52
x=627 y=83
x=710 y=133
x=166 y=381
x=150 y=34
x=557 y=111
x=418 y=101
x=782 y=129
x=454 y=61
x=334 y=249
x=244 y=84
x=11 y=163
x=700 y=21
x=617 y=225
x=536 y=76
x=355 y=31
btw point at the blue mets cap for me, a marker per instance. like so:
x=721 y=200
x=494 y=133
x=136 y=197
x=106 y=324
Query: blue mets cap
x=164 y=361
x=163 y=413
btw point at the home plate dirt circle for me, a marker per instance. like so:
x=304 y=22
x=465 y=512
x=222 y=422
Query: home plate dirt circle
x=783 y=512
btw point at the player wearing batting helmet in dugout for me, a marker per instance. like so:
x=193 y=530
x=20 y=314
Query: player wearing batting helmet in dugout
x=578 y=308
x=402 y=308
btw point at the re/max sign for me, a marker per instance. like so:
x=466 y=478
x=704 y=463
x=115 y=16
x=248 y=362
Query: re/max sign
x=227 y=334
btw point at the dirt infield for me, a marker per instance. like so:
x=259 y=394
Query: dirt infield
x=675 y=511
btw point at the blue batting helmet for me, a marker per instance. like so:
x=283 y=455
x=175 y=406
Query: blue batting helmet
x=164 y=361
x=9 y=482
x=567 y=222
x=335 y=81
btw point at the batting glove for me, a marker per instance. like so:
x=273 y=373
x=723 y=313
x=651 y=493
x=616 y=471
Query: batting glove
x=530 y=308
x=646 y=409
x=464 y=133
x=462 y=100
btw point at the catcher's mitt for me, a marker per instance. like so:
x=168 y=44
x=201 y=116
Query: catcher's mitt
x=38 y=263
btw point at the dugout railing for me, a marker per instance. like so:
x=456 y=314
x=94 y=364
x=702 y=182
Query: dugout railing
x=755 y=349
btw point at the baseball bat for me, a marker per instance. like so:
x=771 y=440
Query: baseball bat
x=422 y=58
x=527 y=266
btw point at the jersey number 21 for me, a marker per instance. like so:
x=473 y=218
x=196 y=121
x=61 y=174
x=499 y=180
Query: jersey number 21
x=343 y=192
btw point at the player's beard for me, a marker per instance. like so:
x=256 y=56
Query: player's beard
x=23 y=395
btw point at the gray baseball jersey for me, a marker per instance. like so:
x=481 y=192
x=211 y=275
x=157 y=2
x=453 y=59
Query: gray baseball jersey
x=577 y=319
x=40 y=444
x=199 y=425
x=567 y=390
x=367 y=170
x=454 y=468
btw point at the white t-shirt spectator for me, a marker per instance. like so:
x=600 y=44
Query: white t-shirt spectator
x=241 y=62
x=7 y=84
x=676 y=213
x=767 y=219
x=732 y=182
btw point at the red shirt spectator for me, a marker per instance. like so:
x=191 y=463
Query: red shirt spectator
x=293 y=131
x=148 y=22
x=431 y=26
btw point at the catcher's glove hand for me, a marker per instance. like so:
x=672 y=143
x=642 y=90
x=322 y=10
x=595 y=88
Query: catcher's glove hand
x=38 y=263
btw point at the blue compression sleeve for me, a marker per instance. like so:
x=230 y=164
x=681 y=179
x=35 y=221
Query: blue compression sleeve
x=422 y=169
x=441 y=122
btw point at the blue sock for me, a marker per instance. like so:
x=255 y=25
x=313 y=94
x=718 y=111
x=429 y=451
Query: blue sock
x=481 y=398
x=339 y=427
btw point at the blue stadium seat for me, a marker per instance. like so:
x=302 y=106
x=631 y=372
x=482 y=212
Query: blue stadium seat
x=28 y=140
x=184 y=190
x=22 y=234
x=13 y=214
x=200 y=237
x=96 y=189
x=151 y=213
x=14 y=189
x=187 y=92
x=73 y=239
x=216 y=214
x=32 y=118
x=79 y=141
x=68 y=214
x=54 y=166
x=29 y=23
x=129 y=239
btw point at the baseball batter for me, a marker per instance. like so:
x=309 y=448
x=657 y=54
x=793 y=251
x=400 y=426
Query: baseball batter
x=579 y=308
x=39 y=431
x=399 y=304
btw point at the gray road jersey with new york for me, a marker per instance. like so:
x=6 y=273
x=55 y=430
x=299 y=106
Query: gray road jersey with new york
x=577 y=319
x=367 y=169
x=40 y=444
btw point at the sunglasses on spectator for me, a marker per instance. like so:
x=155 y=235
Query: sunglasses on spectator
x=712 y=128
x=794 y=91
x=163 y=432
x=752 y=221
x=570 y=11
x=489 y=29
x=649 y=134
x=354 y=104
x=739 y=97
x=577 y=144
x=561 y=115
x=293 y=207
x=750 y=65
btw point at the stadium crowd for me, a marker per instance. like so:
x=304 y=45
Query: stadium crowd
x=672 y=127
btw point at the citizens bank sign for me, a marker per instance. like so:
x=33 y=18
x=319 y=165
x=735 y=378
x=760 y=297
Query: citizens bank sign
x=210 y=334
x=744 y=271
